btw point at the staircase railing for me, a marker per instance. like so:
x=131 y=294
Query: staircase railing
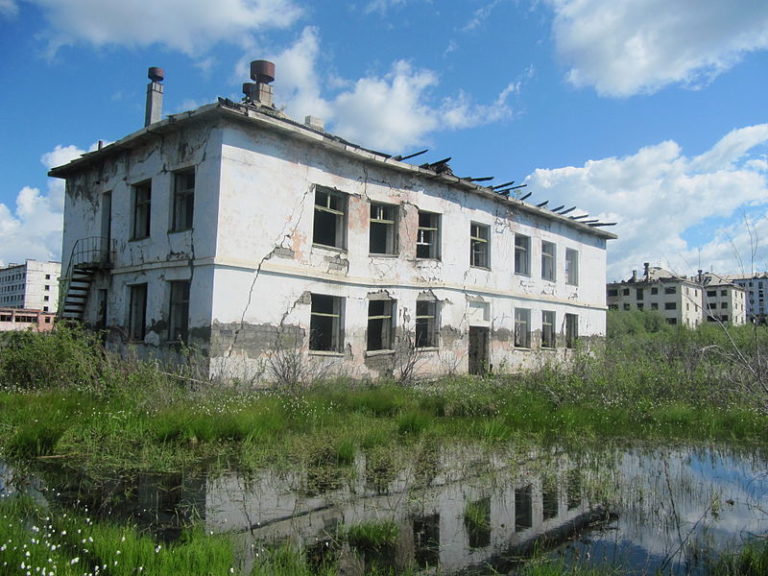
x=89 y=252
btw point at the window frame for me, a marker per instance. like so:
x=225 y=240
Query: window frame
x=319 y=312
x=388 y=223
x=522 y=255
x=178 y=310
x=380 y=327
x=428 y=236
x=571 y=330
x=571 y=267
x=141 y=213
x=137 y=311
x=548 y=261
x=427 y=323
x=328 y=214
x=479 y=245
x=548 y=332
x=183 y=200
x=522 y=336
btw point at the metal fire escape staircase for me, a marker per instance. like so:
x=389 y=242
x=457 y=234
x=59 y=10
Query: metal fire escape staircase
x=89 y=256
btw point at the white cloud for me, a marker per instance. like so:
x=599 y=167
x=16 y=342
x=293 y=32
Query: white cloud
x=8 y=8
x=33 y=229
x=382 y=6
x=626 y=47
x=658 y=196
x=190 y=26
x=389 y=112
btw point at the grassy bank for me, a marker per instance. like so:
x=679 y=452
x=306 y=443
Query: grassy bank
x=62 y=396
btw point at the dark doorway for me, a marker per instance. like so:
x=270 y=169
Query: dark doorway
x=478 y=350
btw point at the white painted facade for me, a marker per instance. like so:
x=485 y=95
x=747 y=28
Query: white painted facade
x=263 y=283
x=33 y=285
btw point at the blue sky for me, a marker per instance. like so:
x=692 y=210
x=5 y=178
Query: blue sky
x=647 y=113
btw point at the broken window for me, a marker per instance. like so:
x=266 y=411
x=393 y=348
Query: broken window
x=670 y=306
x=522 y=255
x=548 y=261
x=523 y=508
x=137 y=312
x=142 y=204
x=325 y=325
x=547 y=329
x=330 y=222
x=178 y=315
x=381 y=324
x=670 y=290
x=426 y=323
x=571 y=330
x=183 y=200
x=428 y=239
x=571 y=266
x=522 y=328
x=383 y=229
x=479 y=250
x=549 y=498
x=639 y=293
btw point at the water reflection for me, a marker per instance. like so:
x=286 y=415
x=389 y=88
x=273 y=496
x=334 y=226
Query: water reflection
x=455 y=509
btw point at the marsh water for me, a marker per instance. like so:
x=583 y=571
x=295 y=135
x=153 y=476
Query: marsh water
x=458 y=509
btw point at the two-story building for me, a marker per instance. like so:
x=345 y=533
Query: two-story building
x=249 y=236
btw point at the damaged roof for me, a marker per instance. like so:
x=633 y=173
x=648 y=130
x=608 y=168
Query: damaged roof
x=271 y=119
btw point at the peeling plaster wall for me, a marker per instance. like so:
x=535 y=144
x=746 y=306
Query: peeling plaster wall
x=267 y=265
x=253 y=266
x=108 y=186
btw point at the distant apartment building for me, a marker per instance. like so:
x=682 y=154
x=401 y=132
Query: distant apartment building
x=682 y=301
x=21 y=319
x=676 y=298
x=755 y=287
x=33 y=285
x=723 y=300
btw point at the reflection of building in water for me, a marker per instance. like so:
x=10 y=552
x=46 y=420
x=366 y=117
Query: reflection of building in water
x=459 y=518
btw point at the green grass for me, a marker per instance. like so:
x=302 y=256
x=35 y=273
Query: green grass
x=33 y=539
x=109 y=413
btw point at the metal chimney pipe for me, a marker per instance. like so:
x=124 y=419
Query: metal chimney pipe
x=262 y=73
x=154 y=109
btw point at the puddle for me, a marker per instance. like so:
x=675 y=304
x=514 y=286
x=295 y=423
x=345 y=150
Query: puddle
x=454 y=508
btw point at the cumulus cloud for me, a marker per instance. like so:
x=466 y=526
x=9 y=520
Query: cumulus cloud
x=190 y=26
x=658 y=196
x=626 y=47
x=33 y=228
x=388 y=111
x=8 y=8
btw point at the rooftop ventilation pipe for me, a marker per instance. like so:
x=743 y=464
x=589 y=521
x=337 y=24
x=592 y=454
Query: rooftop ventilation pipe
x=262 y=73
x=154 y=110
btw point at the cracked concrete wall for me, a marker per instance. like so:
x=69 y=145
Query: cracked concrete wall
x=266 y=262
x=104 y=193
x=252 y=263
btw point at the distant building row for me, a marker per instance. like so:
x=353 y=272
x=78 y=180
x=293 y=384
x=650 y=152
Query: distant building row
x=29 y=295
x=685 y=301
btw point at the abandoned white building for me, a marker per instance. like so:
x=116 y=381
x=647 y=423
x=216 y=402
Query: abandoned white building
x=248 y=235
x=755 y=287
x=33 y=285
x=680 y=300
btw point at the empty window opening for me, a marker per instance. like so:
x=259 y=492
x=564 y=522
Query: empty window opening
x=428 y=239
x=548 y=261
x=426 y=324
x=183 y=200
x=523 y=508
x=142 y=205
x=381 y=324
x=547 y=329
x=329 y=226
x=522 y=255
x=178 y=316
x=325 y=326
x=522 y=328
x=479 y=251
x=383 y=229
x=137 y=312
